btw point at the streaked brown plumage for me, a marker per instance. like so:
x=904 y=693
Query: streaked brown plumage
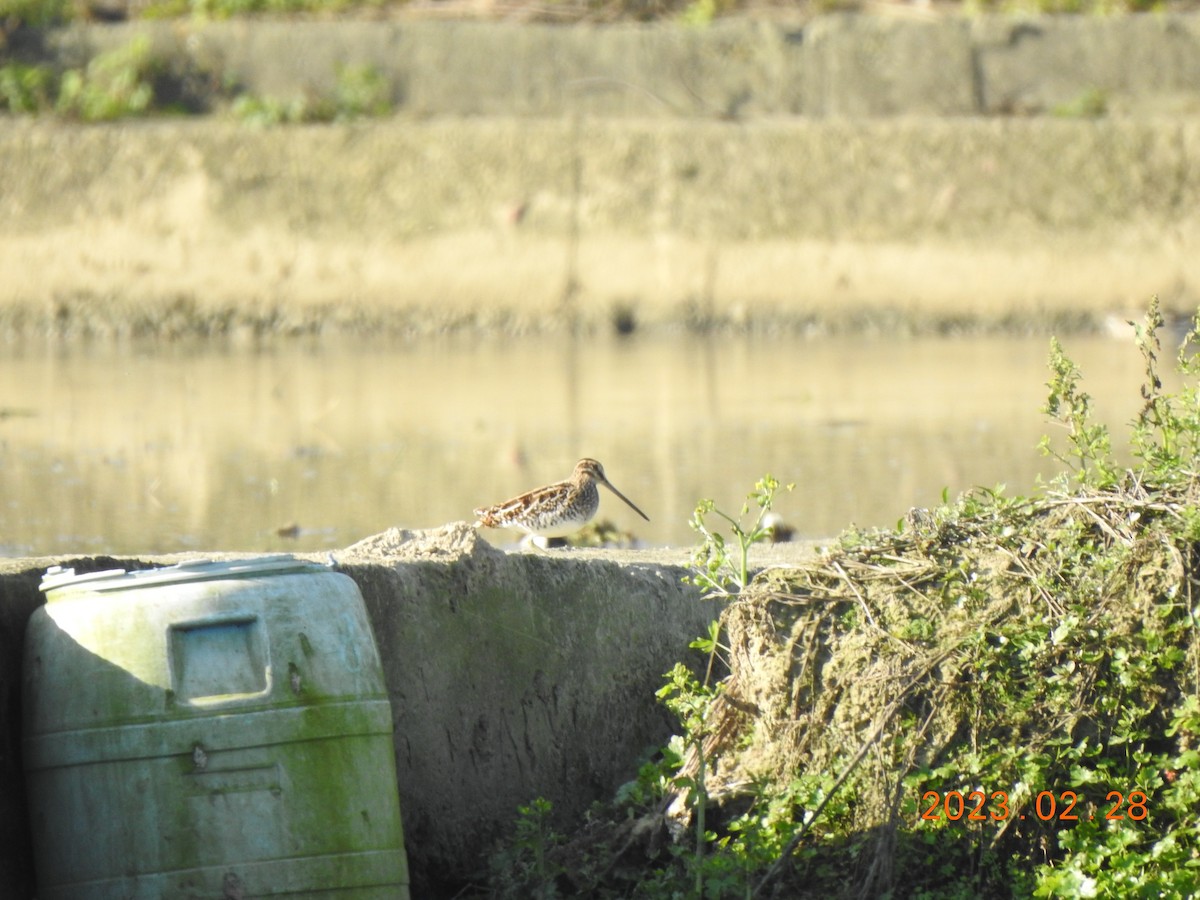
x=555 y=510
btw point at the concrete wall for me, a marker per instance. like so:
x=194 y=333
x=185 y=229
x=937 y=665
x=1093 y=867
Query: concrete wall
x=843 y=65
x=19 y=597
x=510 y=677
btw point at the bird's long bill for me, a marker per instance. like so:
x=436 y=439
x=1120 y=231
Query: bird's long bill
x=632 y=506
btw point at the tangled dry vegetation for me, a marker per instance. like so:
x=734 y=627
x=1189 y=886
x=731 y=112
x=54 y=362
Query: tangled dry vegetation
x=994 y=647
x=1001 y=698
x=1038 y=656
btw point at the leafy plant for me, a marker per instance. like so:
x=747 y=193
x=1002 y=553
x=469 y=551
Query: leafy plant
x=1090 y=453
x=700 y=13
x=113 y=85
x=715 y=570
x=690 y=700
x=1091 y=104
x=27 y=89
x=522 y=869
x=269 y=111
x=33 y=13
x=359 y=91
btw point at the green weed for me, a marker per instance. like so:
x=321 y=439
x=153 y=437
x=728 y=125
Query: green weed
x=717 y=570
x=27 y=89
x=359 y=91
x=269 y=111
x=522 y=869
x=134 y=81
x=113 y=85
x=34 y=13
x=1091 y=104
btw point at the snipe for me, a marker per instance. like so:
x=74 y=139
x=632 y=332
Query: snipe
x=558 y=509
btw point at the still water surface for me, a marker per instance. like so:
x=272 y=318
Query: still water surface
x=159 y=449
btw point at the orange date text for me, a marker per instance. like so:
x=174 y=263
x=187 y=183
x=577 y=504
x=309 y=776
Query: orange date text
x=1047 y=806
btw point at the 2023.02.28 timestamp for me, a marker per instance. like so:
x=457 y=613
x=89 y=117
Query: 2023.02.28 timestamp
x=981 y=806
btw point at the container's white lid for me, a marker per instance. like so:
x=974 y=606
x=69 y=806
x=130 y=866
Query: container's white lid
x=57 y=577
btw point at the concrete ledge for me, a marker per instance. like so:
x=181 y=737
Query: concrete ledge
x=511 y=676
x=834 y=65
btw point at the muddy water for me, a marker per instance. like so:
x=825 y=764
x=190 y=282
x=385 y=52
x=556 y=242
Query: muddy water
x=302 y=446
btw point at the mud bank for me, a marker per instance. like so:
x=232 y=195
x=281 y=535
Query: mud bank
x=841 y=173
x=206 y=226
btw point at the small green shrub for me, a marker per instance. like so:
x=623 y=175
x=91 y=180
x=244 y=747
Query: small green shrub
x=1089 y=457
x=702 y=12
x=521 y=867
x=133 y=81
x=114 y=85
x=359 y=91
x=27 y=89
x=1091 y=104
x=34 y=13
x=716 y=570
x=268 y=111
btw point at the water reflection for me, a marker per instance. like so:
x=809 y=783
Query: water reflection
x=304 y=446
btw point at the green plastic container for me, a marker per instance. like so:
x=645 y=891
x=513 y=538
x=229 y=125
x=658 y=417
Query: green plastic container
x=209 y=730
